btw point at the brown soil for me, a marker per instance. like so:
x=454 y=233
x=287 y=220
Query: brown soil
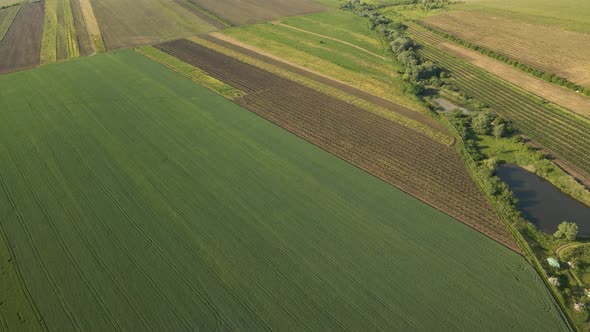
x=252 y=52
x=193 y=8
x=430 y=171
x=21 y=46
x=552 y=50
x=241 y=12
x=566 y=98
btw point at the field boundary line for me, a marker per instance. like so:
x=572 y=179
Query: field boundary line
x=527 y=81
x=410 y=118
x=175 y=69
x=11 y=21
x=507 y=58
x=526 y=251
x=279 y=23
x=92 y=26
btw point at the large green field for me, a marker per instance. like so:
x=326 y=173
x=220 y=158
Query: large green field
x=134 y=199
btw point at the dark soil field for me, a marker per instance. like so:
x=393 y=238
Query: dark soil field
x=422 y=118
x=251 y=11
x=21 y=45
x=428 y=170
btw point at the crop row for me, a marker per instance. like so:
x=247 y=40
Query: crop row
x=401 y=156
x=564 y=135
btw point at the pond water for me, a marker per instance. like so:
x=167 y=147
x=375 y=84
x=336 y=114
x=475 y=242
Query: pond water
x=542 y=203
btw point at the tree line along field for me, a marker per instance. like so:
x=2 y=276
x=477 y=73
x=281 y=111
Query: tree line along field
x=190 y=248
x=399 y=155
x=566 y=135
x=548 y=49
x=569 y=99
x=564 y=14
x=374 y=74
x=21 y=43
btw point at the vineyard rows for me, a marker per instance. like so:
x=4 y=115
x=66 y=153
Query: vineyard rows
x=401 y=156
x=552 y=50
x=563 y=134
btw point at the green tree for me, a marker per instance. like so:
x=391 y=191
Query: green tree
x=567 y=230
x=482 y=123
x=499 y=130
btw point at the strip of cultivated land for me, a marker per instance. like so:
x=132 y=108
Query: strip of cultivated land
x=331 y=58
x=565 y=14
x=65 y=35
x=91 y=25
x=141 y=22
x=241 y=12
x=249 y=51
x=401 y=156
x=21 y=45
x=6 y=18
x=122 y=200
x=566 y=135
x=564 y=53
x=568 y=99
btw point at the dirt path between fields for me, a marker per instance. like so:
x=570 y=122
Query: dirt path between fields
x=566 y=98
x=330 y=38
x=261 y=55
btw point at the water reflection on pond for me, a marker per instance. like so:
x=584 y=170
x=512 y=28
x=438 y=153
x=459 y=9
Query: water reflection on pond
x=542 y=203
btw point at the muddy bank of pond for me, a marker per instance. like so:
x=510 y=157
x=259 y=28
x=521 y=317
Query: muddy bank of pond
x=542 y=203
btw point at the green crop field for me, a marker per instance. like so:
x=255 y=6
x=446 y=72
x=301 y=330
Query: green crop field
x=134 y=199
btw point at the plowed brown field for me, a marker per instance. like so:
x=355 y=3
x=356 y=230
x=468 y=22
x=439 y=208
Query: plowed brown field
x=428 y=170
x=21 y=46
x=252 y=11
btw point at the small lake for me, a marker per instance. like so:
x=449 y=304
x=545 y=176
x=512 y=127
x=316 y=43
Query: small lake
x=542 y=203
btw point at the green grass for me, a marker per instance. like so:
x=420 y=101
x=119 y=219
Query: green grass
x=135 y=199
x=566 y=135
x=568 y=14
x=191 y=72
x=346 y=63
x=340 y=25
x=50 y=30
x=513 y=152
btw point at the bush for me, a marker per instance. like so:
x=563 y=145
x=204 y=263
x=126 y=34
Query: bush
x=567 y=231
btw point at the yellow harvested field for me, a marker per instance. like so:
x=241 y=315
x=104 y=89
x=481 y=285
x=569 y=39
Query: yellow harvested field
x=564 y=53
x=91 y=23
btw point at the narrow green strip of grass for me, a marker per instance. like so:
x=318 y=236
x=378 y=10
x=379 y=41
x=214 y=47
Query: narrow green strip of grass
x=190 y=72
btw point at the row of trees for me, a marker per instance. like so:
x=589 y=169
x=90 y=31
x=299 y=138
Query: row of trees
x=417 y=71
x=549 y=77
